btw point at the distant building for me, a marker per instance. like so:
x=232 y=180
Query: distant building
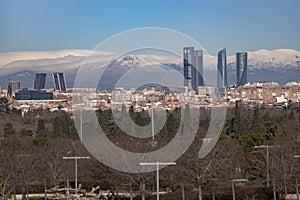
x=192 y=67
x=33 y=95
x=15 y=86
x=222 y=69
x=188 y=63
x=208 y=91
x=269 y=93
x=59 y=81
x=180 y=90
x=241 y=68
x=9 y=97
x=39 y=81
x=197 y=73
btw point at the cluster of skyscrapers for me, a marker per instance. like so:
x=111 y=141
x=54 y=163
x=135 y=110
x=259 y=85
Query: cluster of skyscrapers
x=38 y=92
x=58 y=80
x=193 y=68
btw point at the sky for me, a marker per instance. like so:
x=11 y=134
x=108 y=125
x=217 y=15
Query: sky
x=35 y=25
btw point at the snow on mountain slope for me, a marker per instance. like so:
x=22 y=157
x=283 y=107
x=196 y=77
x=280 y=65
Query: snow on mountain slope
x=24 y=64
x=9 y=57
x=71 y=58
x=269 y=59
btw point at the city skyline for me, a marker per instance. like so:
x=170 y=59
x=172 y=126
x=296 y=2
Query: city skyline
x=33 y=26
x=275 y=62
x=134 y=86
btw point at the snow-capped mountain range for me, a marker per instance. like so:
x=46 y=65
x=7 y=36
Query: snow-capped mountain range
x=281 y=65
x=266 y=59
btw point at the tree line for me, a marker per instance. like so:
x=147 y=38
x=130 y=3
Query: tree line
x=32 y=149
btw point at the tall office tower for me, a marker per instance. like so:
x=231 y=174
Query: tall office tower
x=59 y=81
x=192 y=67
x=15 y=86
x=39 y=81
x=222 y=69
x=241 y=68
x=197 y=70
x=188 y=63
x=9 y=97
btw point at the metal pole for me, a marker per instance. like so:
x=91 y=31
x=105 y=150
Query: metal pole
x=274 y=190
x=297 y=190
x=157 y=164
x=68 y=190
x=266 y=147
x=76 y=175
x=80 y=121
x=233 y=192
x=268 y=175
x=232 y=185
x=152 y=116
x=157 y=180
x=75 y=158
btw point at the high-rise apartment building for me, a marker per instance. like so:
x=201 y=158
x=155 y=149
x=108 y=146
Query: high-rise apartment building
x=59 y=81
x=241 y=68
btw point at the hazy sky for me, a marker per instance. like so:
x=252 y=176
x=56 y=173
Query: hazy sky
x=66 y=24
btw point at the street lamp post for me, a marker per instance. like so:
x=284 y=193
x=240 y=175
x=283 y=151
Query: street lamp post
x=75 y=158
x=266 y=147
x=232 y=185
x=157 y=164
x=297 y=190
x=80 y=121
x=152 y=120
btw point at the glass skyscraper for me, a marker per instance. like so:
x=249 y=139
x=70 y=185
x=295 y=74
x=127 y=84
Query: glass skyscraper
x=59 y=81
x=222 y=69
x=188 y=63
x=192 y=67
x=39 y=81
x=197 y=71
x=241 y=68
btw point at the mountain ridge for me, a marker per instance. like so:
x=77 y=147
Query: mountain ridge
x=263 y=64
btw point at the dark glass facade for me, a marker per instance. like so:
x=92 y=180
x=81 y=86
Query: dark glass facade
x=188 y=63
x=241 y=68
x=192 y=67
x=59 y=81
x=33 y=95
x=197 y=70
x=222 y=69
x=39 y=81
